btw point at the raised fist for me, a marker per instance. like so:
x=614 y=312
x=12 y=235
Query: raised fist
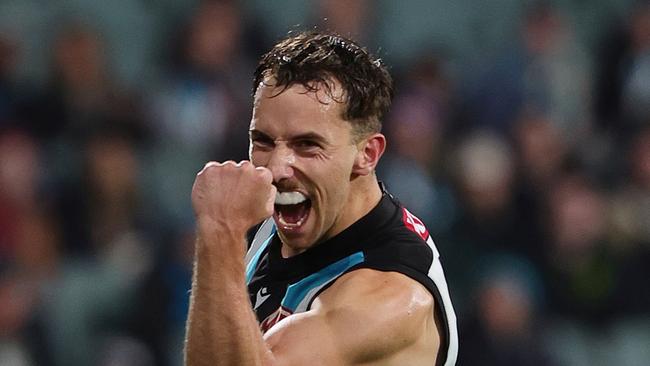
x=234 y=196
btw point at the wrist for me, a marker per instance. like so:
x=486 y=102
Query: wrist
x=222 y=241
x=221 y=228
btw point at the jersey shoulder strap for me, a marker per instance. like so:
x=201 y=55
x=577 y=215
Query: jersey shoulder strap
x=260 y=241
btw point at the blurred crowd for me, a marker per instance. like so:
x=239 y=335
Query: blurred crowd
x=520 y=134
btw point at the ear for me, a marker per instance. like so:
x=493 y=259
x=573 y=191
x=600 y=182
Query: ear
x=370 y=151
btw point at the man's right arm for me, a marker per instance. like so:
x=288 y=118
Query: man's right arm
x=222 y=329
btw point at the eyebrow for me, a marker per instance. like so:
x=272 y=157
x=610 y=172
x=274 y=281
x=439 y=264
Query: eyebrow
x=303 y=136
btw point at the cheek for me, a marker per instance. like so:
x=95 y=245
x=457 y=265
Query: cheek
x=336 y=181
x=331 y=176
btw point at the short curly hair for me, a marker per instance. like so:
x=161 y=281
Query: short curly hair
x=315 y=60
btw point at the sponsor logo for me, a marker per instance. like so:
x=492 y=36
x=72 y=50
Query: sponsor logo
x=414 y=224
x=274 y=318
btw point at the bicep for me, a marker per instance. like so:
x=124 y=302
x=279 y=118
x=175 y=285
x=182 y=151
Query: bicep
x=306 y=339
x=313 y=338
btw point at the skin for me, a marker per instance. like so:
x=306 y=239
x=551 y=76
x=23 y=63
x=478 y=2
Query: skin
x=366 y=317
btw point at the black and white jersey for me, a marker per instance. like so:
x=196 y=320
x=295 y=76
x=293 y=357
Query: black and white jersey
x=388 y=238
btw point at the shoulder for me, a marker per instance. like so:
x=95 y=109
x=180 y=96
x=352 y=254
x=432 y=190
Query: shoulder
x=364 y=283
x=403 y=246
x=391 y=310
x=403 y=227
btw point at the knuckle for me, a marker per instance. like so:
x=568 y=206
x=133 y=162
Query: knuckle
x=229 y=166
x=264 y=173
x=209 y=165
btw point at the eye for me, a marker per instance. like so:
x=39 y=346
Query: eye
x=262 y=142
x=306 y=144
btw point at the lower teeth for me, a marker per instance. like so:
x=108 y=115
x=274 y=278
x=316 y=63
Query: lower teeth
x=287 y=224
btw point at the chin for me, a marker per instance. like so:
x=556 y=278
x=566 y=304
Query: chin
x=294 y=244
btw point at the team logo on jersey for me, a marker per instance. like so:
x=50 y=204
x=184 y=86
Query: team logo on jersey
x=414 y=224
x=274 y=318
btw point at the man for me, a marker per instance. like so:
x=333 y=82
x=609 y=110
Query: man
x=341 y=274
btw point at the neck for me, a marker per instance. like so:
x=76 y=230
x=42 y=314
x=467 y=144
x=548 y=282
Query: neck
x=364 y=195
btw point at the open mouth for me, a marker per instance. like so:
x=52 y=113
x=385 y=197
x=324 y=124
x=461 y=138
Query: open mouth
x=291 y=209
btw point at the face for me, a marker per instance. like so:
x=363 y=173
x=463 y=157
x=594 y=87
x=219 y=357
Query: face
x=301 y=137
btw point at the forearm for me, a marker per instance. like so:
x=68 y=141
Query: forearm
x=222 y=328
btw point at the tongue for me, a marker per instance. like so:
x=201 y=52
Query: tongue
x=291 y=214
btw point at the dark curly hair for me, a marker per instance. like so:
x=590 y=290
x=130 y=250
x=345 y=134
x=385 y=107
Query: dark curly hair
x=315 y=60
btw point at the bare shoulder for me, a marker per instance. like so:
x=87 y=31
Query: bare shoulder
x=390 y=310
x=364 y=287
x=387 y=296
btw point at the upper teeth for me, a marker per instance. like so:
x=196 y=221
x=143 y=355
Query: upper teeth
x=289 y=198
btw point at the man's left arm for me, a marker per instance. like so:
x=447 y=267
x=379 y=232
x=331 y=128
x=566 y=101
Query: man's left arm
x=366 y=317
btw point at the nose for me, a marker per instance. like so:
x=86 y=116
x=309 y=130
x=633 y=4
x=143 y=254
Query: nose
x=281 y=163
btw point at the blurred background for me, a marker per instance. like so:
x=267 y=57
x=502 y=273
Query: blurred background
x=520 y=134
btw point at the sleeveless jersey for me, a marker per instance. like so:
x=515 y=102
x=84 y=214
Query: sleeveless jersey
x=388 y=238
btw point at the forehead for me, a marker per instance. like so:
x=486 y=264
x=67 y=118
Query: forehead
x=297 y=109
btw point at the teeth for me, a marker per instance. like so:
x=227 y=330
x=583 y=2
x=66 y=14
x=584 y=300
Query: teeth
x=289 y=198
x=287 y=225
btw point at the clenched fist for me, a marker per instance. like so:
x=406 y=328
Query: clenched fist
x=233 y=196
